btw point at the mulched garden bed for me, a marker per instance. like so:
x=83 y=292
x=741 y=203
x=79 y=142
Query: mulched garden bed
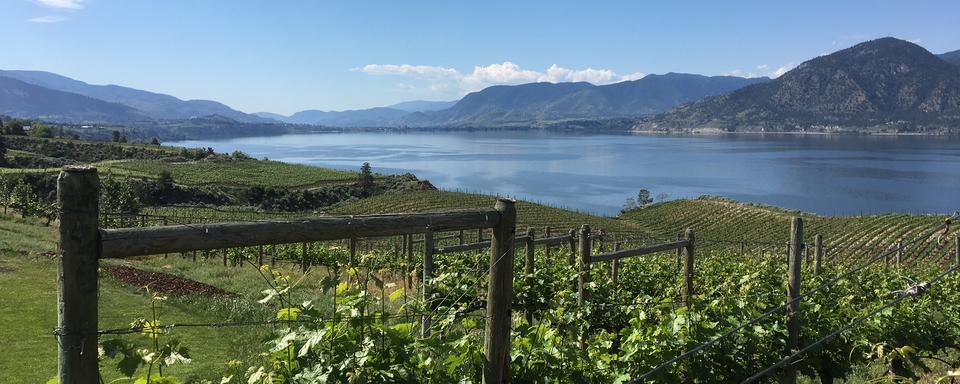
x=164 y=282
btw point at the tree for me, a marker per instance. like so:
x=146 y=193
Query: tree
x=164 y=184
x=41 y=130
x=3 y=152
x=661 y=197
x=155 y=141
x=643 y=198
x=116 y=136
x=14 y=128
x=22 y=199
x=365 y=181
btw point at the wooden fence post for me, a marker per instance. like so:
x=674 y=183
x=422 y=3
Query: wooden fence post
x=224 y=257
x=410 y=266
x=572 y=259
x=688 y=270
x=352 y=244
x=427 y=320
x=793 y=311
x=742 y=246
x=679 y=251
x=500 y=296
x=818 y=258
x=546 y=247
x=260 y=255
x=460 y=239
x=583 y=267
x=899 y=252
x=303 y=258
x=956 y=256
x=479 y=235
x=78 y=191
x=615 y=267
x=529 y=268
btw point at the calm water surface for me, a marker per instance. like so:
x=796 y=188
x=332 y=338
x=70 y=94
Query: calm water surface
x=597 y=173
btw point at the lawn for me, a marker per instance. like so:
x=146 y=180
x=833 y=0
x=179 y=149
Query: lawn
x=29 y=296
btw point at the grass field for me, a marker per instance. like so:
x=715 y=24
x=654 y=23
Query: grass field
x=29 y=296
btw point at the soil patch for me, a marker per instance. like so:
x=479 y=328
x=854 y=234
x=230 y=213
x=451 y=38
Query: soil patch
x=164 y=282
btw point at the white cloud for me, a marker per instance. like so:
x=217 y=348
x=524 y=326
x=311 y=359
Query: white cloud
x=62 y=4
x=782 y=69
x=443 y=80
x=762 y=70
x=406 y=69
x=47 y=19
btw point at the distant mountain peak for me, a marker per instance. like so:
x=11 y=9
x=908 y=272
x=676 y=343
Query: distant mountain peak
x=875 y=83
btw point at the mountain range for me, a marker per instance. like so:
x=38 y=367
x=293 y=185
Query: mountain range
x=548 y=102
x=880 y=83
x=149 y=104
x=886 y=84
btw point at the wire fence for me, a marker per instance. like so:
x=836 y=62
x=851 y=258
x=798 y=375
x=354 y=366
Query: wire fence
x=842 y=254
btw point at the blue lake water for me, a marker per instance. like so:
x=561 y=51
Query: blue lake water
x=815 y=173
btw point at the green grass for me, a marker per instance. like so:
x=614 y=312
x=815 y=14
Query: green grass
x=240 y=173
x=29 y=314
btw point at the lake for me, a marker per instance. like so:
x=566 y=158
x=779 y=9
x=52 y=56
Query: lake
x=825 y=174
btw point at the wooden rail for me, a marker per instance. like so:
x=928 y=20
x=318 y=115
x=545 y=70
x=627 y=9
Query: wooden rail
x=472 y=246
x=125 y=242
x=82 y=243
x=617 y=255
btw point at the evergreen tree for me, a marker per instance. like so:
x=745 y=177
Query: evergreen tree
x=366 y=180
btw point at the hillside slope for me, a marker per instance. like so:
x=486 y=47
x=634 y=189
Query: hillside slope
x=154 y=105
x=881 y=83
x=20 y=99
x=546 y=102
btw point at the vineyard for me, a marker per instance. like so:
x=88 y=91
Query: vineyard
x=388 y=308
x=241 y=173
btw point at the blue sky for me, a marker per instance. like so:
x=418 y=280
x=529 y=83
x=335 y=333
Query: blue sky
x=286 y=56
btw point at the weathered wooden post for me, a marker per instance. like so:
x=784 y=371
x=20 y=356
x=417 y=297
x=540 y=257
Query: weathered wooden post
x=303 y=258
x=427 y=320
x=679 y=251
x=225 y=257
x=572 y=259
x=583 y=267
x=793 y=311
x=742 y=248
x=353 y=251
x=818 y=258
x=688 y=269
x=273 y=255
x=479 y=235
x=260 y=255
x=546 y=247
x=460 y=239
x=899 y=252
x=500 y=296
x=615 y=268
x=78 y=192
x=529 y=268
x=956 y=255
x=410 y=266
x=601 y=237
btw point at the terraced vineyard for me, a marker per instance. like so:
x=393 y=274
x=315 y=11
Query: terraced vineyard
x=528 y=214
x=721 y=220
x=245 y=173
